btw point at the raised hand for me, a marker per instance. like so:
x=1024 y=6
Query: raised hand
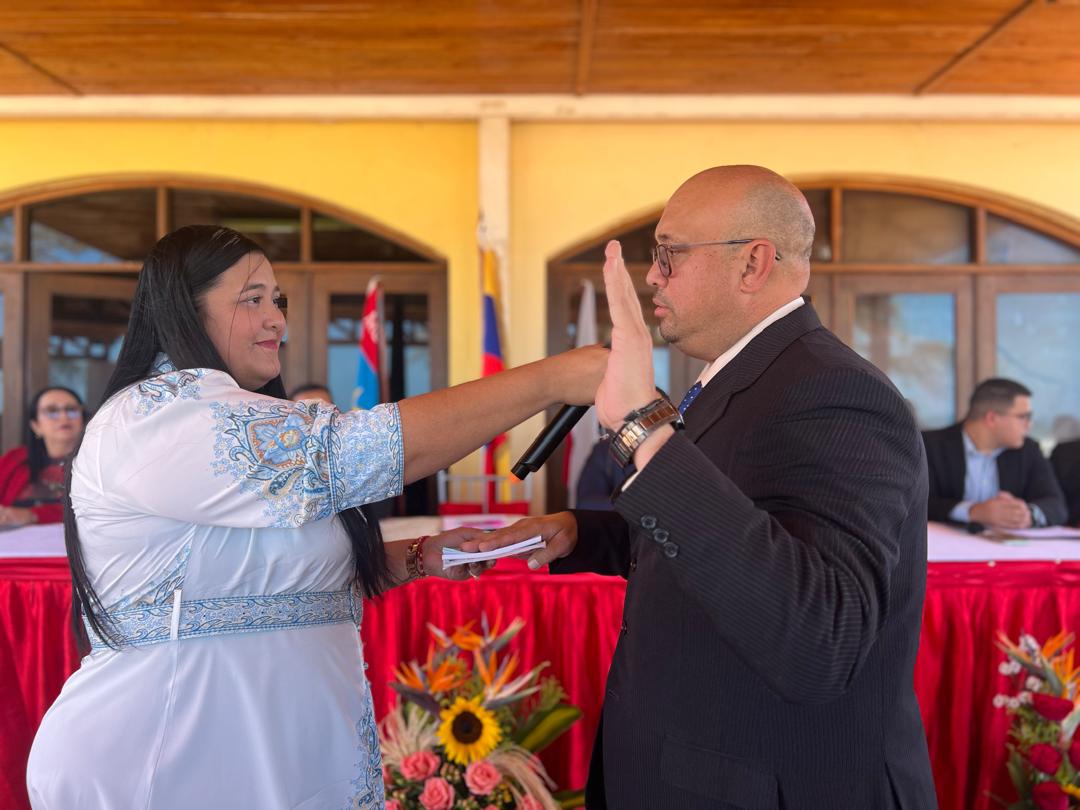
x=628 y=381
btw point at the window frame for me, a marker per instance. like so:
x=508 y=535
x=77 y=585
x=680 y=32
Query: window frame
x=298 y=278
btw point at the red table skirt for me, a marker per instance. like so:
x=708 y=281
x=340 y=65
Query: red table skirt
x=573 y=622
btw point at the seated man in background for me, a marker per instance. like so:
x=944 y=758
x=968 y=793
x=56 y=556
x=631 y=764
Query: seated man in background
x=1066 y=463
x=985 y=469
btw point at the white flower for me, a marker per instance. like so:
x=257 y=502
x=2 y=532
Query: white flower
x=1000 y=701
x=1033 y=683
x=1014 y=703
x=1009 y=667
x=1024 y=698
x=1028 y=644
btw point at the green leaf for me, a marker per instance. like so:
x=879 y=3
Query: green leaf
x=570 y=799
x=421 y=699
x=545 y=727
x=1069 y=724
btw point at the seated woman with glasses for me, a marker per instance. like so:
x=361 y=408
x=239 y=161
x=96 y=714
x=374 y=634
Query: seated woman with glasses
x=32 y=475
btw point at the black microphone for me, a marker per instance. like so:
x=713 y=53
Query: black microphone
x=548 y=439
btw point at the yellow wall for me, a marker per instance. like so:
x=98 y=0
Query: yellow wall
x=417 y=178
x=569 y=181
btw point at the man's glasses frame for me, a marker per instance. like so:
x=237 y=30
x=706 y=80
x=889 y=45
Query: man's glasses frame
x=661 y=253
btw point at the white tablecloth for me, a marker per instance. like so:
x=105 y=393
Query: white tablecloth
x=945 y=543
x=48 y=540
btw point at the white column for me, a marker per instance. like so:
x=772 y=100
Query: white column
x=494 y=180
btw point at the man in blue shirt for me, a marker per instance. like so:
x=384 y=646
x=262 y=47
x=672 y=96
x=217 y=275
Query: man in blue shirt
x=986 y=470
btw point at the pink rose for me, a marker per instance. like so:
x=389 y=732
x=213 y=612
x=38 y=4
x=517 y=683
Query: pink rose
x=482 y=777
x=529 y=803
x=392 y=804
x=419 y=766
x=1049 y=796
x=1050 y=707
x=437 y=794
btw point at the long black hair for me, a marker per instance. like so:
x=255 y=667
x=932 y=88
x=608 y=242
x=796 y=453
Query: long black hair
x=166 y=317
x=37 y=455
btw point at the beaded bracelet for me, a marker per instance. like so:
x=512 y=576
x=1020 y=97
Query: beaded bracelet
x=414 y=558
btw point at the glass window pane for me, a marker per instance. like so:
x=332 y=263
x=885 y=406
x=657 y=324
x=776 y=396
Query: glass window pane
x=1036 y=346
x=637 y=245
x=899 y=228
x=912 y=338
x=273 y=225
x=819 y=199
x=337 y=241
x=7 y=236
x=1009 y=242
x=408 y=349
x=84 y=343
x=104 y=227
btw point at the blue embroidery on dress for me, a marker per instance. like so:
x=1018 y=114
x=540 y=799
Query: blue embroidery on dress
x=152 y=624
x=306 y=460
x=368 y=789
x=160 y=589
x=167 y=384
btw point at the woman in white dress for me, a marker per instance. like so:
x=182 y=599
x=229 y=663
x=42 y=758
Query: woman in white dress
x=219 y=554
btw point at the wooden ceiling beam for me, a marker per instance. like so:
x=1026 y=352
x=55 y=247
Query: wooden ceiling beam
x=586 y=35
x=39 y=70
x=966 y=55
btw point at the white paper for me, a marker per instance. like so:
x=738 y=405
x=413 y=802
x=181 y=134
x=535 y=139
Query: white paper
x=1044 y=533
x=454 y=556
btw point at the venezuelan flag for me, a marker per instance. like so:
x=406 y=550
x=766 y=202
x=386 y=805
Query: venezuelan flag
x=497 y=453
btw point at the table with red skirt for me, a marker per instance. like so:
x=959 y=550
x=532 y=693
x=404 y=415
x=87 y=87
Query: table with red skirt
x=573 y=622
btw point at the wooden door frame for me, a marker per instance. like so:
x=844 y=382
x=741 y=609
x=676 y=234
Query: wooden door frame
x=41 y=287
x=987 y=288
x=13 y=288
x=848 y=286
x=430 y=282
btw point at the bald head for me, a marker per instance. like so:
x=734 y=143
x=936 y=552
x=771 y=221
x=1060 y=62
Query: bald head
x=715 y=290
x=754 y=202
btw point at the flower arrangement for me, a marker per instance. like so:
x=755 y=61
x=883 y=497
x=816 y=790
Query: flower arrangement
x=1044 y=751
x=465 y=734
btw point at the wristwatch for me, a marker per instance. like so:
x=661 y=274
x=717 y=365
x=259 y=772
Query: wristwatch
x=639 y=424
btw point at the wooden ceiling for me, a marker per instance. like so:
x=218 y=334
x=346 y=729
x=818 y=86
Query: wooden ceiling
x=908 y=47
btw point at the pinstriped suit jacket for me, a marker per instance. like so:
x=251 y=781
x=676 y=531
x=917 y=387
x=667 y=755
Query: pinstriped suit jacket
x=776 y=561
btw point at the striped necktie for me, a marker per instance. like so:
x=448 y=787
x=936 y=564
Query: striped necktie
x=691 y=395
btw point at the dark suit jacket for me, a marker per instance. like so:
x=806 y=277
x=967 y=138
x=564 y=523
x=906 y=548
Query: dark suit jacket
x=776 y=561
x=1024 y=473
x=1065 y=459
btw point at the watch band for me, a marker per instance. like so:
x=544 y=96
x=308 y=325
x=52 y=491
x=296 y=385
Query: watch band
x=639 y=424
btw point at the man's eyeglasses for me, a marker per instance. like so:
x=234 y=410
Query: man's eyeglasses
x=55 y=412
x=661 y=254
x=1027 y=416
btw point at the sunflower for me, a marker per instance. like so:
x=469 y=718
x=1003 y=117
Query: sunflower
x=468 y=731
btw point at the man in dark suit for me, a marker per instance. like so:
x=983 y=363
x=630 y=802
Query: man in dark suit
x=775 y=549
x=985 y=469
x=1065 y=459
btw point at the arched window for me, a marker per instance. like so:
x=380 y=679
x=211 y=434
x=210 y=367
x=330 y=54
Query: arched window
x=70 y=255
x=939 y=287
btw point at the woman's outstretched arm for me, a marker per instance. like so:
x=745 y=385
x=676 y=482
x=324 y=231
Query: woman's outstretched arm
x=444 y=426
